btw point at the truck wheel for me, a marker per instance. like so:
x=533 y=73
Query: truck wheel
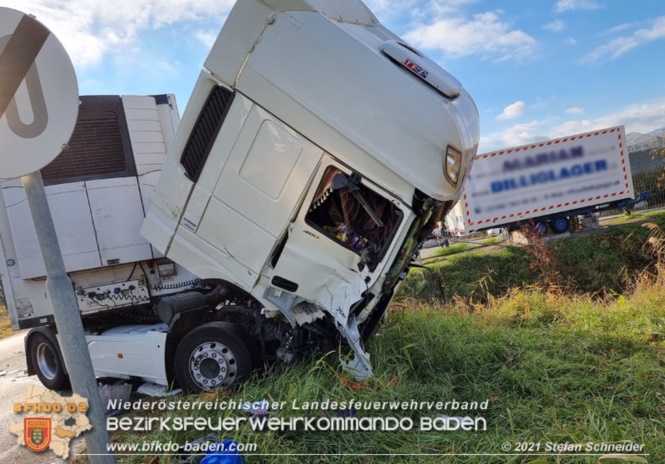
x=210 y=357
x=560 y=224
x=47 y=363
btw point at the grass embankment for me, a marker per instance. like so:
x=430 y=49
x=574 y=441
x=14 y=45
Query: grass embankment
x=554 y=368
x=558 y=366
x=599 y=264
x=453 y=249
x=464 y=246
x=633 y=217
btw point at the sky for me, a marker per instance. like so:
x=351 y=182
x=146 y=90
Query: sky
x=536 y=69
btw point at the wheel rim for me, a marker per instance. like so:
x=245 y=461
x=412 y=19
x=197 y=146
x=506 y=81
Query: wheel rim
x=47 y=361
x=212 y=365
x=560 y=223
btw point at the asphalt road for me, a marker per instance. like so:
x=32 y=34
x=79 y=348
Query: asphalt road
x=12 y=388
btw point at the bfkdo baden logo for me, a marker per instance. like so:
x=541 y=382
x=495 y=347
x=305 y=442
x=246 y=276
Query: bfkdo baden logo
x=37 y=433
x=47 y=420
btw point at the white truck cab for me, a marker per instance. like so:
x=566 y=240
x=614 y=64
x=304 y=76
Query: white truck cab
x=316 y=154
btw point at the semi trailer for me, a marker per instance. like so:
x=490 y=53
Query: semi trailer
x=274 y=220
x=547 y=183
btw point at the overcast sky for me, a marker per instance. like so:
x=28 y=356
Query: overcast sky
x=537 y=69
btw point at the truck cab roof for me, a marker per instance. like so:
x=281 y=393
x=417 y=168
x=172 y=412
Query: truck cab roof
x=334 y=73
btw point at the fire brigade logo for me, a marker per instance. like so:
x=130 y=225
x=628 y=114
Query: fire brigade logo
x=49 y=421
x=37 y=432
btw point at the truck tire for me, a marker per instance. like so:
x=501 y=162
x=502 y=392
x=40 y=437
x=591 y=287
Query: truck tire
x=47 y=363
x=211 y=356
x=559 y=224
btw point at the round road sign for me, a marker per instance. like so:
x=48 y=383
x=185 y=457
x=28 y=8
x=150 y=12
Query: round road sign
x=38 y=95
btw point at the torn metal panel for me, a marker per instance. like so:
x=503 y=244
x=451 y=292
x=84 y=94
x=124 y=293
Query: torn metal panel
x=359 y=366
x=306 y=313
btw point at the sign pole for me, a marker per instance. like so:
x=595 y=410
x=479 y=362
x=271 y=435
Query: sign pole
x=31 y=56
x=68 y=320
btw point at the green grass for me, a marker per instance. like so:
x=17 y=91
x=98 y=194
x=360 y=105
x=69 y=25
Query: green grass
x=633 y=217
x=554 y=369
x=598 y=264
x=491 y=241
x=581 y=362
x=470 y=275
x=452 y=249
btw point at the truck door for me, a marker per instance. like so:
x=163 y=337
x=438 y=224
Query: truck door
x=343 y=230
x=256 y=193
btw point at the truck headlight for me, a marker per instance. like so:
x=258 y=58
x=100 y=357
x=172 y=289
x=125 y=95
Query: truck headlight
x=453 y=163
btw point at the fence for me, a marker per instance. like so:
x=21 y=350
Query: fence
x=647 y=177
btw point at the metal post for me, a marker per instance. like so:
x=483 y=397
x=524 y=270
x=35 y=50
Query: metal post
x=68 y=320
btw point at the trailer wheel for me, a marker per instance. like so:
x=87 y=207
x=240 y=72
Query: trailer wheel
x=47 y=363
x=210 y=357
x=560 y=224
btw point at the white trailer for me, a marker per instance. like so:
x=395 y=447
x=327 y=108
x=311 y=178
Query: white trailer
x=547 y=182
x=316 y=154
x=97 y=189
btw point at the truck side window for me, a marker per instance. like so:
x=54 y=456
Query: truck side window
x=351 y=214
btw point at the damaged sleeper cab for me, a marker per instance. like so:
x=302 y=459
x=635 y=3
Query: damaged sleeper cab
x=316 y=154
x=326 y=281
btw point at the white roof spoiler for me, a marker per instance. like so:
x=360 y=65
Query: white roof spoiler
x=345 y=11
x=422 y=67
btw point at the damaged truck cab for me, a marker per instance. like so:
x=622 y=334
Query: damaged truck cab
x=315 y=155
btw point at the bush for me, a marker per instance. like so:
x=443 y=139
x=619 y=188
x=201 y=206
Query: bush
x=600 y=264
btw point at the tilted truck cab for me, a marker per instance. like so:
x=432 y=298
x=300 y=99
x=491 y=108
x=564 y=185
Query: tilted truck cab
x=315 y=155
